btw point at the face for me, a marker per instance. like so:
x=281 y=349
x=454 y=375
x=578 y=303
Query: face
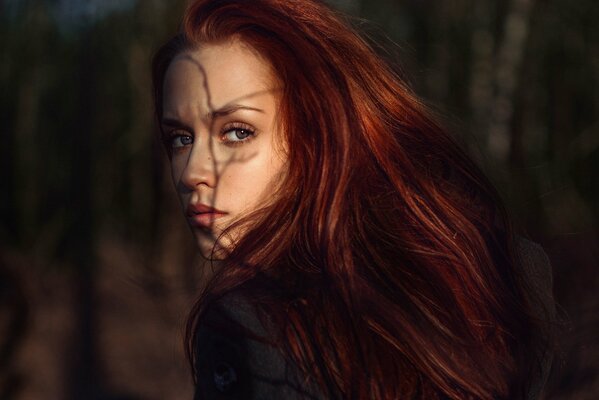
x=219 y=125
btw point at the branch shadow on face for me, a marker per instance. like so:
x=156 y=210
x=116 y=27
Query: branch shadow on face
x=219 y=250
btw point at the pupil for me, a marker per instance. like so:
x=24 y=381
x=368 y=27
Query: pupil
x=241 y=133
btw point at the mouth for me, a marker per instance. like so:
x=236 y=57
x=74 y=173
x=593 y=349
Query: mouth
x=203 y=216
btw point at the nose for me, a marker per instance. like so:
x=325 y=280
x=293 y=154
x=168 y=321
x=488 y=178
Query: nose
x=200 y=167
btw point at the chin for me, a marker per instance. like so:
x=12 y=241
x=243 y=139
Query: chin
x=210 y=248
x=207 y=247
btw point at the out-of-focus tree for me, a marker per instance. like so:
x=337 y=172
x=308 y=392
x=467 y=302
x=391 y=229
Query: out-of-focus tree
x=81 y=176
x=80 y=161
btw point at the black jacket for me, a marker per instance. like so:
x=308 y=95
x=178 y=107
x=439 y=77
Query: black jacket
x=234 y=363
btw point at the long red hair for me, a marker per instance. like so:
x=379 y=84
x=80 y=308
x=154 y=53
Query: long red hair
x=385 y=260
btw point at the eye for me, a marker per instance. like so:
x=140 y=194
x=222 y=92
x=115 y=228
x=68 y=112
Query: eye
x=177 y=141
x=235 y=135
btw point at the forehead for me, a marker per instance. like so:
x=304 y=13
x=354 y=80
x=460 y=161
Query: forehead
x=214 y=75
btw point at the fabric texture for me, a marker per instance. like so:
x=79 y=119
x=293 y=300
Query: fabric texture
x=537 y=274
x=235 y=363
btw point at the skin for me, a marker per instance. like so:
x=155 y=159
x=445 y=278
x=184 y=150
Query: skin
x=219 y=125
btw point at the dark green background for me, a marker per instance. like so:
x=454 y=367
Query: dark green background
x=96 y=268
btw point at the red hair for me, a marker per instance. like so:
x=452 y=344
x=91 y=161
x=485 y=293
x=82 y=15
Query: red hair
x=385 y=260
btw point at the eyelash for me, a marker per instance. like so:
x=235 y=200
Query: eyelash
x=172 y=135
x=237 y=126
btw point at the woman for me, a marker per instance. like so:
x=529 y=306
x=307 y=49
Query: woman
x=355 y=251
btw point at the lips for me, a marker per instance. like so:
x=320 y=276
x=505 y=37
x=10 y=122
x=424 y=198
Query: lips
x=203 y=216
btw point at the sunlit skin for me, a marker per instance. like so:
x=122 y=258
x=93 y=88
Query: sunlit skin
x=219 y=124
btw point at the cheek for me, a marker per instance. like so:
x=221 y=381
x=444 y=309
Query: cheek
x=177 y=166
x=245 y=186
x=176 y=171
x=240 y=187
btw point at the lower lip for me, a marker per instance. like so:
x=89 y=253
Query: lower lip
x=204 y=220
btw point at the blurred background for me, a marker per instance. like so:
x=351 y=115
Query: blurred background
x=96 y=267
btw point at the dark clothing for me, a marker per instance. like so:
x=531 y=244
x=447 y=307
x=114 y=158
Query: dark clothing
x=539 y=278
x=235 y=365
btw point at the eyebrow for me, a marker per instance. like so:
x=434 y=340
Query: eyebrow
x=229 y=109
x=221 y=112
x=175 y=123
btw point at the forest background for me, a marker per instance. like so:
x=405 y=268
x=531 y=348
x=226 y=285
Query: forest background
x=97 y=270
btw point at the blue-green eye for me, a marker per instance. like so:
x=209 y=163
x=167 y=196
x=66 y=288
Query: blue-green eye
x=179 y=141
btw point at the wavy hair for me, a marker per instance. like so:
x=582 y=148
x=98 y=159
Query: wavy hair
x=385 y=261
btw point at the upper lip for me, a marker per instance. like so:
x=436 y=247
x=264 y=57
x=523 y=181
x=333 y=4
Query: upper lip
x=199 y=208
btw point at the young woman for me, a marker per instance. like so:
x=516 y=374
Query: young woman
x=355 y=251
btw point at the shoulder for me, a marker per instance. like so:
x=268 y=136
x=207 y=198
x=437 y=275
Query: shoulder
x=236 y=358
x=533 y=257
x=536 y=273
